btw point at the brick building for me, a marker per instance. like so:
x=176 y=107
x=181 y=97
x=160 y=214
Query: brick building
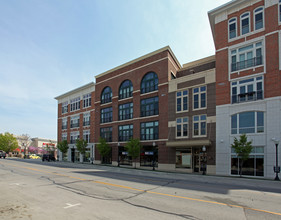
x=192 y=117
x=247 y=40
x=76 y=120
x=131 y=102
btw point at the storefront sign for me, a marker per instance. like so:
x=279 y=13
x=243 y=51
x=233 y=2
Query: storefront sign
x=148 y=153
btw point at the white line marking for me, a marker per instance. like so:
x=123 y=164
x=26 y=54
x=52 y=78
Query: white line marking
x=70 y=206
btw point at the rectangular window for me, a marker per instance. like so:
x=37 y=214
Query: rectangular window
x=74 y=136
x=64 y=136
x=106 y=133
x=149 y=107
x=199 y=125
x=246 y=57
x=182 y=100
x=232 y=28
x=126 y=111
x=75 y=104
x=87 y=100
x=247 y=123
x=279 y=10
x=149 y=130
x=182 y=127
x=199 y=97
x=74 y=121
x=125 y=132
x=86 y=119
x=64 y=123
x=106 y=115
x=86 y=136
x=254 y=166
x=184 y=158
x=64 y=107
x=247 y=90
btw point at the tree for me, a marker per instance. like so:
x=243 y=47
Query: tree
x=63 y=147
x=242 y=148
x=8 y=142
x=133 y=147
x=103 y=148
x=82 y=147
x=25 y=141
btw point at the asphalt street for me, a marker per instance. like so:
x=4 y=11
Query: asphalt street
x=32 y=189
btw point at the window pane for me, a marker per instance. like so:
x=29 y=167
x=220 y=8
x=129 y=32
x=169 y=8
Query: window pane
x=247 y=122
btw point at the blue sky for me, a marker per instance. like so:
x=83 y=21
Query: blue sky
x=50 y=47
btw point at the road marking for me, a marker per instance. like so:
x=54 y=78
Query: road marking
x=17 y=184
x=70 y=206
x=151 y=192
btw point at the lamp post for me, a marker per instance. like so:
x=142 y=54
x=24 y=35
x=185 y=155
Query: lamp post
x=204 y=161
x=118 y=156
x=276 y=168
x=153 y=162
x=92 y=154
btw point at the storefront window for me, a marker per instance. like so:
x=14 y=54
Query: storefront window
x=149 y=155
x=183 y=158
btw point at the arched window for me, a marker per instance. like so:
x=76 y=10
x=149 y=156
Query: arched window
x=232 y=28
x=126 y=89
x=245 y=23
x=258 y=18
x=149 y=83
x=106 y=95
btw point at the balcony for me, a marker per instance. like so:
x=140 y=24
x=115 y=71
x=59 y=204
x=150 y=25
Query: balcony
x=256 y=61
x=247 y=97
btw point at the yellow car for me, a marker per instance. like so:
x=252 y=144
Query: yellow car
x=34 y=156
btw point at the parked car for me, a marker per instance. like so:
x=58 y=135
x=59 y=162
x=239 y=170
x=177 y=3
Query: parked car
x=34 y=156
x=2 y=154
x=48 y=157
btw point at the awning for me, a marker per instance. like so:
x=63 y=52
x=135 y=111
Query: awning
x=188 y=143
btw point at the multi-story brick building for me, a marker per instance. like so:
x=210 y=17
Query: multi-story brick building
x=192 y=117
x=247 y=37
x=131 y=102
x=76 y=120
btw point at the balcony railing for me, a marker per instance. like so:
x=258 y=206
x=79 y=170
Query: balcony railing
x=74 y=125
x=247 y=97
x=64 y=127
x=246 y=64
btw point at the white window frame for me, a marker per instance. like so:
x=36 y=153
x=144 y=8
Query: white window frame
x=75 y=104
x=75 y=120
x=235 y=52
x=255 y=124
x=241 y=83
x=199 y=121
x=74 y=136
x=64 y=136
x=230 y=22
x=86 y=117
x=182 y=121
x=64 y=107
x=87 y=98
x=245 y=16
x=180 y=95
x=86 y=135
x=254 y=17
x=199 y=93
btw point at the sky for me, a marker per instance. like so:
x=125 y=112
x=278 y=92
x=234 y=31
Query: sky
x=50 y=47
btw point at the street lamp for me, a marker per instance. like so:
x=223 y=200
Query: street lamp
x=276 y=168
x=118 y=156
x=204 y=160
x=153 y=162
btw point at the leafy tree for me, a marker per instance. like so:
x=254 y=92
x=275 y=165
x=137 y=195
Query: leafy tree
x=82 y=146
x=242 y=148
x=133 y=147
x=103 y=148
x=8 y=142
x=63 y=146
